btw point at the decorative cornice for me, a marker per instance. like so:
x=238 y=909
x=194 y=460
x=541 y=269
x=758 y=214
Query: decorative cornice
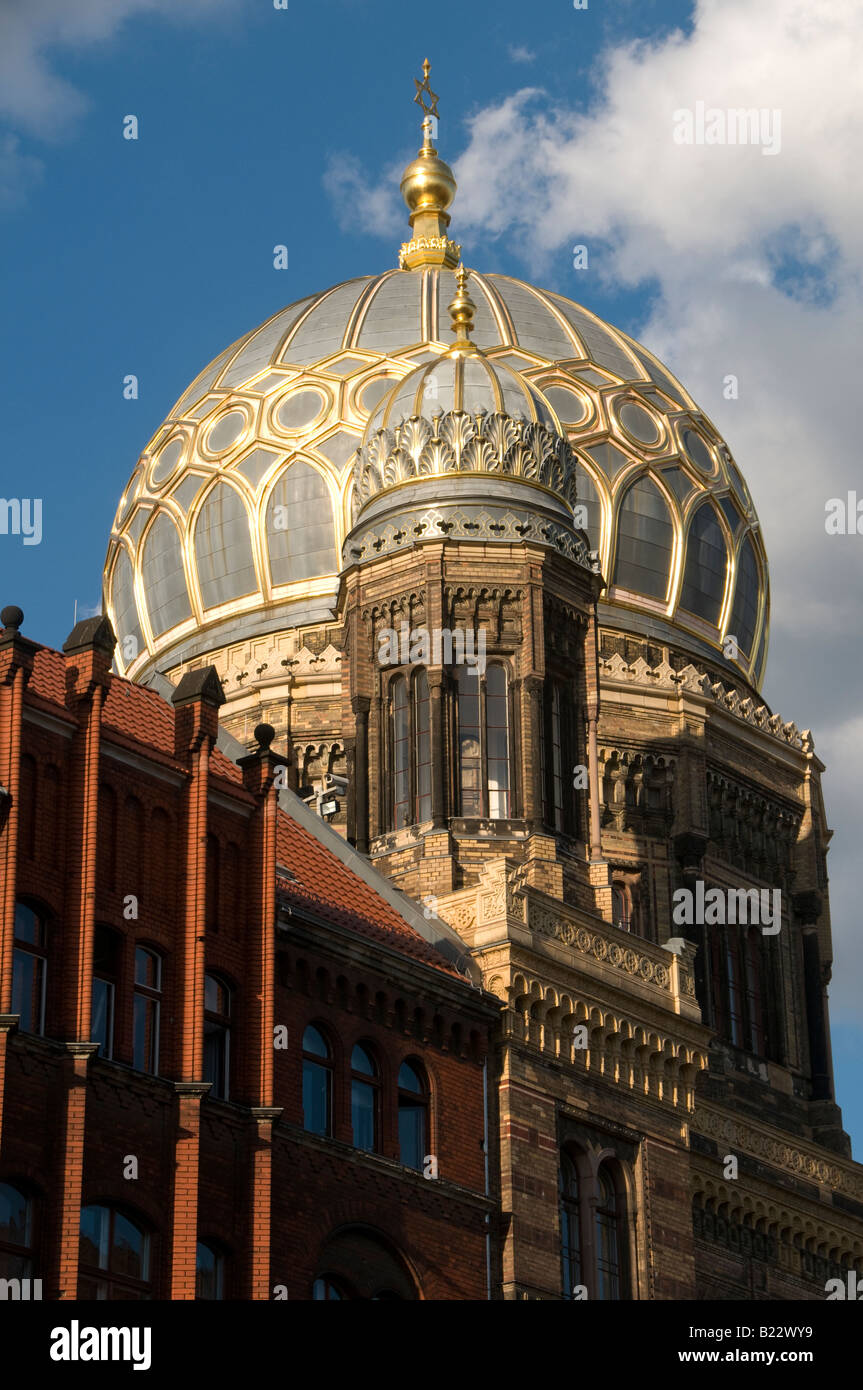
x=456 y=442
x=664 y=677
x=808 y=1162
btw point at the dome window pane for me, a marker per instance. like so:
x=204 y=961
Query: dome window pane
x=300 y=526
x=226 y=431
x=645 y=539
x=639 y=423
x=373 y=393
x=698 y=451
x=744 y=613
x=223 y=548
x=299 y=411
x=587 y=496
x=569 y=408
x=164 y=580
x=125 y=611
x=706 y=564
x=167 y=461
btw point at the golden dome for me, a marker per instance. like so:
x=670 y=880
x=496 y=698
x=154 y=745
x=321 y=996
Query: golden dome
x=237 y=520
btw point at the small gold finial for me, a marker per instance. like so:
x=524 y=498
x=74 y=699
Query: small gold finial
x=428 y=187
x=461 y=312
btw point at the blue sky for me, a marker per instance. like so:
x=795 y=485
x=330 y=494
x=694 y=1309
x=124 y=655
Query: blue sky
x=150 y=256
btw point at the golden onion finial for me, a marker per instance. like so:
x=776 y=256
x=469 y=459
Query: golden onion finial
x=428 y=187
x=461 y=311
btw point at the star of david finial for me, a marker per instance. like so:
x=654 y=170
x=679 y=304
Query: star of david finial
x=425 y=94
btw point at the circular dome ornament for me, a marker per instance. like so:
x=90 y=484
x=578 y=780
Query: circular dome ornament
x=299 y=411
x=225 y=432
x=167 y=461
x=639 y=424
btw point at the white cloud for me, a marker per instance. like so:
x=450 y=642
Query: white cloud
x=376 y=207
x=519 y=53
x=755 y=267
x=34 y=98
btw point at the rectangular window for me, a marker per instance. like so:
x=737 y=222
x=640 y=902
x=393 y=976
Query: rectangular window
x=102 y=1017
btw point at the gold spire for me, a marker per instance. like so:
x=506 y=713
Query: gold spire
x=461 y=312
x=428 y=187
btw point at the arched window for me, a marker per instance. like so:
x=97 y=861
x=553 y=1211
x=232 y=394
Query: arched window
x=422 y=743
x=326 y=1290
x=365 y=1090
x=114 y=1256
x=645 y=540
x=413 y=1116
x=706 y=565
x=223 y=548
x=732 y=976
x=29 y=969
x=106 y=970
x=570 y=1227
x=147 y=1009
x=401 y=754
x=754 y=994
x=609 y=1228
x=497 y=743
x=16 y=1233
x=163 y=576
x=620 y=907
x=317 y=1083
x=470 y=741
x=410 y=745
x=300 y=525
x=483 y=742
x=744 y=612
x=217 y=1036
x=209 y=1272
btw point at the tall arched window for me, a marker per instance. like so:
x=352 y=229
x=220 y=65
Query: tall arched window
x=16 y=1233
x=114 y=1256
x=410 y=750
x=754 y=996
x=706 y=565
x=401 y=754
x=422 y=743
x=147 y=1009
x=217 y=1036
x=645 y=540
x=223 y=548
x=732 y=976
x=483 y=742
x=365 y=1090
x=609 y=1231
x=497 y=743
x=413 y=1116
x=300 y=525
x=317 y=1083
x=29 y=969
x=570 y=1229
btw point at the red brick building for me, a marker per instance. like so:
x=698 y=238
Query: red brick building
x=235 y=1062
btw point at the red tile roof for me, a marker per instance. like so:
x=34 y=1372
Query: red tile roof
x=349 y=902
x=139 y=714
